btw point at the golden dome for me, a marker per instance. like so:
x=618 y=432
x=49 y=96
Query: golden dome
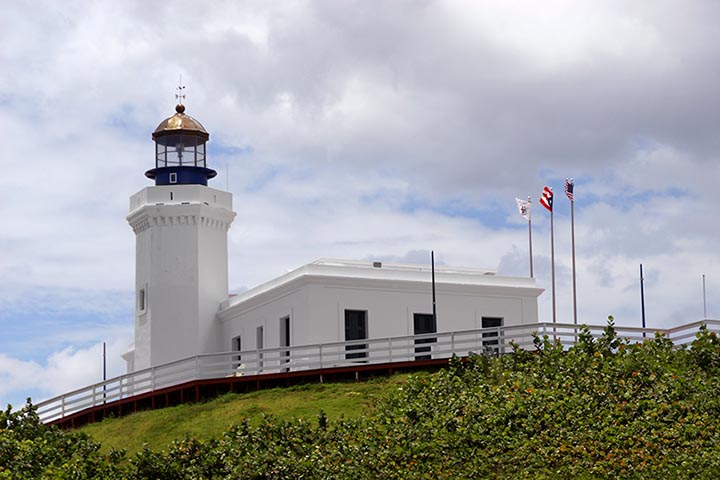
x=180 y=124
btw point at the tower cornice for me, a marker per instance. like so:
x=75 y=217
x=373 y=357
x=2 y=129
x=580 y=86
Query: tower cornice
x=180 y=215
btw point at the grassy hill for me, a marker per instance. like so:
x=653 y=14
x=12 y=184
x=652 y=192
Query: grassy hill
x=158 y=428
x=604 y=408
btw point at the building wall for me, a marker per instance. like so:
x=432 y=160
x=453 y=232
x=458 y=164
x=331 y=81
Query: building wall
x=316 y=309
x=268 y=316
x=212 y=277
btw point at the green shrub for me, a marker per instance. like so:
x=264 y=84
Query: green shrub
x=29 y=450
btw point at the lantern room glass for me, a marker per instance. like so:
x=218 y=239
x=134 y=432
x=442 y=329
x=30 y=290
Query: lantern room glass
x=179 y=150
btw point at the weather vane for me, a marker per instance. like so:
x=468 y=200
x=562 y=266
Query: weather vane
x=180 y=95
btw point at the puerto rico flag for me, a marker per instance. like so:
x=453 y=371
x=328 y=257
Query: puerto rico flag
x=546 y=200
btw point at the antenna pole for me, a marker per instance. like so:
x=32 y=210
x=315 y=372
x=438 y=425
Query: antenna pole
x=104 y=370
x=642 y=297
x=704 y=300
x=432 y=263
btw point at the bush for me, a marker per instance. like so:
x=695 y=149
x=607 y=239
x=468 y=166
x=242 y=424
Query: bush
x=29 y=450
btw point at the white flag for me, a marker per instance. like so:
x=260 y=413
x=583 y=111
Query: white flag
x=524 y=208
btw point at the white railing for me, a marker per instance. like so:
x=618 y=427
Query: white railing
x=337 y=354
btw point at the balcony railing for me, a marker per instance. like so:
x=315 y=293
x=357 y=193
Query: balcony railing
x=492 y=341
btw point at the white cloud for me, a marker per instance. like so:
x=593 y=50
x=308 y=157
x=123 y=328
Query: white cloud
x=63 y=371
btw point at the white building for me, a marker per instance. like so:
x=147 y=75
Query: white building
x=183 y=308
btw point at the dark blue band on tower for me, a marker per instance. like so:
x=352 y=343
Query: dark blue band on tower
x=181 y=175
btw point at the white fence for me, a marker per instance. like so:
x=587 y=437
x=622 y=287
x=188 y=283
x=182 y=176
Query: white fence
x=491 y=341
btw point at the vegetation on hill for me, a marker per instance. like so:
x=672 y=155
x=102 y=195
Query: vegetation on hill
x=211 y=419
x=604 y=409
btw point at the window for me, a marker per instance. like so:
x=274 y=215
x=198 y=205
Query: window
x=173 y=177
x=356 y=329
x=285 y=340
x=141 y=300
x=259 y=334
x=424 y=323
x=236 y=346
x=491 y=346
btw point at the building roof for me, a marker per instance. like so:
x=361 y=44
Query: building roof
x=389 y=275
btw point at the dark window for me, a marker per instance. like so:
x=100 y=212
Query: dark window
x=141 y=300
x=491 y=322
x=355 y=329
x=237 y=347
x=259 y=345
x=424 y=323
x=285 y=340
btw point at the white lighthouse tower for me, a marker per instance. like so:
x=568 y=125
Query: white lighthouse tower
x=181 y=263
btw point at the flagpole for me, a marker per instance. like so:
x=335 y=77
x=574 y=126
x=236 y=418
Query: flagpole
x=569 y=192
x=530 y=242
x=547 y=201
x=552 y=261
x=572 y=230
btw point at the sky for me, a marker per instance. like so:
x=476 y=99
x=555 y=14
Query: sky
x=357 y=130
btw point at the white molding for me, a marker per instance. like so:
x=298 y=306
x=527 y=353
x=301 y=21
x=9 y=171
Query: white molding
x=293 y=281
x=179 y=215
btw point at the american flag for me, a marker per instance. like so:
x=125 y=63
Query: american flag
x=569 y=186
x=546 y=200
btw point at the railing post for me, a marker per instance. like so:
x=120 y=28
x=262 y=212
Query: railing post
x=452 y=343
x=321 y=355
x=390 y=349
x=152 y=379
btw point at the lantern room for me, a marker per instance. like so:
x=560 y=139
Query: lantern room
x=180 y=151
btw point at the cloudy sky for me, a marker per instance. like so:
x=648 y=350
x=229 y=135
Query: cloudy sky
x=362 y=130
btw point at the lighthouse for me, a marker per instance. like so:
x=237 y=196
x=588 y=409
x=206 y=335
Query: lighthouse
x=181 y=259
